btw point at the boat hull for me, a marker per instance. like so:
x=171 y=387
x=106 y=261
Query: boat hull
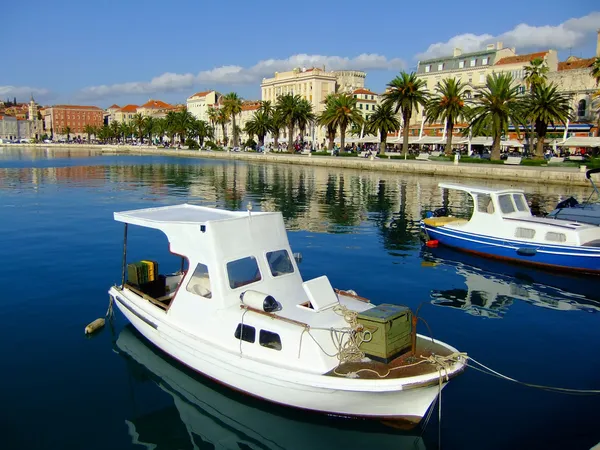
x=585 y=260
x=404 y=407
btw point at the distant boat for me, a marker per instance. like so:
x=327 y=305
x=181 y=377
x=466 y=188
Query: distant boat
x=206 y=415
x=502 y=227
x=243 y=316
x=586 y=212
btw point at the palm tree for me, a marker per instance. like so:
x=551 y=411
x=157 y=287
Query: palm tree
x=288 y=106
x=223 y=120
x=383 y=121
x=149 y=124
x=266 y=106
x=139 y=125
x=448 y=105
x=89 y=130
x=343 y=113
x=595 y=71
x=544 y=105
x=126 y=130
x=115 y=130
x=326 y=119
x=304 y=116
x=277 y=125
x=67 y=130
x=495 y=106
x=199 y=129
x=260 y=124
x=406 y=92
x=232 y=104
x=160 y=128
x=535 y=75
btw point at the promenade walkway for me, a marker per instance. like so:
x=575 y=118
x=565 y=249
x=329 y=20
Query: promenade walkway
x=529 y=174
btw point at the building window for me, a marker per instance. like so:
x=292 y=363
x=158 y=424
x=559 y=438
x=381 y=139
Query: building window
x=484 y=61
x=372 y=97
x=354 y=95
x=581 y=108
x=473 y=62
x=367 y=107
x=441 y=66
x=245 y=333
x=461 y=64
x=269 y=340
x=482 y=77
x=427 y=68
x=360 y=106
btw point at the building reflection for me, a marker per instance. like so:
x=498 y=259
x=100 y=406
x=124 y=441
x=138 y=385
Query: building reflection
x=203 y=414
x=491 y=287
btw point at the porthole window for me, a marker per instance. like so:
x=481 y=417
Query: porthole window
x=246 y=333
x=526 y=233
x=279 y=263
x=556 y=237
x=242 y=272
x=269 y=340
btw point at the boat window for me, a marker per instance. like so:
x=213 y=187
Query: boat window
x=506 y=204
x=242 y=272
x=556 y=237
x=526 y=233
x=279 y=262
x=484 y=204
x=199 y=283
x=269 y=340
x=245 y=333
x=520 y=202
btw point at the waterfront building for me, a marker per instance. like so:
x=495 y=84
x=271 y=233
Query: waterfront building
x=109 y=113
x=155 y=108
x=366 y=101
x=249 y=107
x=76 y=117
x=199 y=103
x=126 y=113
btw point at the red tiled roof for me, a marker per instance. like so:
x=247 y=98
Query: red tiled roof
x=250 y=106
x=129 y=108
x=364 y=91
x=156 y=104
x=521 y=58
x=201 y=94
x=115 y=106
x=576 y=64
x=95 y=108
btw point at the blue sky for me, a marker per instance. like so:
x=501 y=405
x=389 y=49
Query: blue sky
x=128 y=51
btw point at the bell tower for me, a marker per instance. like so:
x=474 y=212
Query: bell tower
x=33 y=110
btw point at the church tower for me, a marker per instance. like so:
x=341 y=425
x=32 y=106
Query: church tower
x=33 y=110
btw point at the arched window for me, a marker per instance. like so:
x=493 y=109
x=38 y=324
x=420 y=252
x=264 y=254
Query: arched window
x=581 y=108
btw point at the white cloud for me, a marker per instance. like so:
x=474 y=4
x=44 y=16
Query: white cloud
x=21 y=92
x=237 y=75
x=569 y=34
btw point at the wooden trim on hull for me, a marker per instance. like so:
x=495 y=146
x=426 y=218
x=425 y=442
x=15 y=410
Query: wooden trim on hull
x=549 y=267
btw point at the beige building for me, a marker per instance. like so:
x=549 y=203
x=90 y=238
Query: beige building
x=199 y=103
x=366 y=101
x=155 y=108
x=125 y=114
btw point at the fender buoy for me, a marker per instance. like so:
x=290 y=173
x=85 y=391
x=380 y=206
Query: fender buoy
x=432 y=243
x=94 y=326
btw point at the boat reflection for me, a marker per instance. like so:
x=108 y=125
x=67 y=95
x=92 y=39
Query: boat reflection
x=206 y=415
x=493 y=286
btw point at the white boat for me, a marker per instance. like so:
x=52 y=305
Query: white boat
x=243 y=316
x=502 y=227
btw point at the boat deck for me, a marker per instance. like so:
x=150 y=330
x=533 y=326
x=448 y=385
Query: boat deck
x=404 y=366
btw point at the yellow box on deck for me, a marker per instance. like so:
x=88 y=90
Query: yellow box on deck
x=391 y=331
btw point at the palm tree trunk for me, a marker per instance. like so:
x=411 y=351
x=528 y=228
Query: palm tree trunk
x=224 y=135
x=406 y=118
x=290 y=134
x=342 y=137
x=531 y=136
x=235 y=135
x=331 y=137
x=539 y=148
x=383 y=139
x=276 y=140
x=496 y=148
x=449 y=129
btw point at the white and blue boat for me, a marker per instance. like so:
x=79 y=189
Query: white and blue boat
x=501 y=226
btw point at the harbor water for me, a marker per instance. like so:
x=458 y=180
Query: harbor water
x=61 y=250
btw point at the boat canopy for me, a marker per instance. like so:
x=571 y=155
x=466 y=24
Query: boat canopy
x=480 y=189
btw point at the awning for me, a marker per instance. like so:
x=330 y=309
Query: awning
x=482 y=140
x=511 y=143
x=580 y=142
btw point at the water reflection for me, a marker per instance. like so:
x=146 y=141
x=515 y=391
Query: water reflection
x=205 y=415
x=492 y=286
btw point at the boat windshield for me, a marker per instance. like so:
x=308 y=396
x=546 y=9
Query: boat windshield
x=243 y=271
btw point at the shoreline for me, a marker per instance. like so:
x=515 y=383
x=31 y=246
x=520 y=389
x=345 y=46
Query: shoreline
x=528 y=174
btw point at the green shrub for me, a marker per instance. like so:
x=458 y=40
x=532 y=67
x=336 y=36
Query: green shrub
x=191 y=144
x=251 y=143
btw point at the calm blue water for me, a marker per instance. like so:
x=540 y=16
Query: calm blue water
x=61 y=250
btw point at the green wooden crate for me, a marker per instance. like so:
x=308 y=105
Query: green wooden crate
x=137 y=273
x=391 y=330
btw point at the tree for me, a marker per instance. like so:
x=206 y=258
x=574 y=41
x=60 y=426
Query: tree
x=288 y=106
x=115 y=129
x=304 y=116
x=139 y=125
x=126 y=130
x=495 y=106
x=266 y=106
x=276 y=126
x=595 y=70
x=200 y=129
x=232 y=104
x=448 y=105
x=67 y=130
x=182 y=122
x=223 y=120
x=160 y=128
x=535 y=75
x=212 y=114
x=383 y=121
x=342 y=112
x=326 y=119
x=149 y=124
x=260 y=124
x=406 y=92
x=89 y=130
x=544 y=105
